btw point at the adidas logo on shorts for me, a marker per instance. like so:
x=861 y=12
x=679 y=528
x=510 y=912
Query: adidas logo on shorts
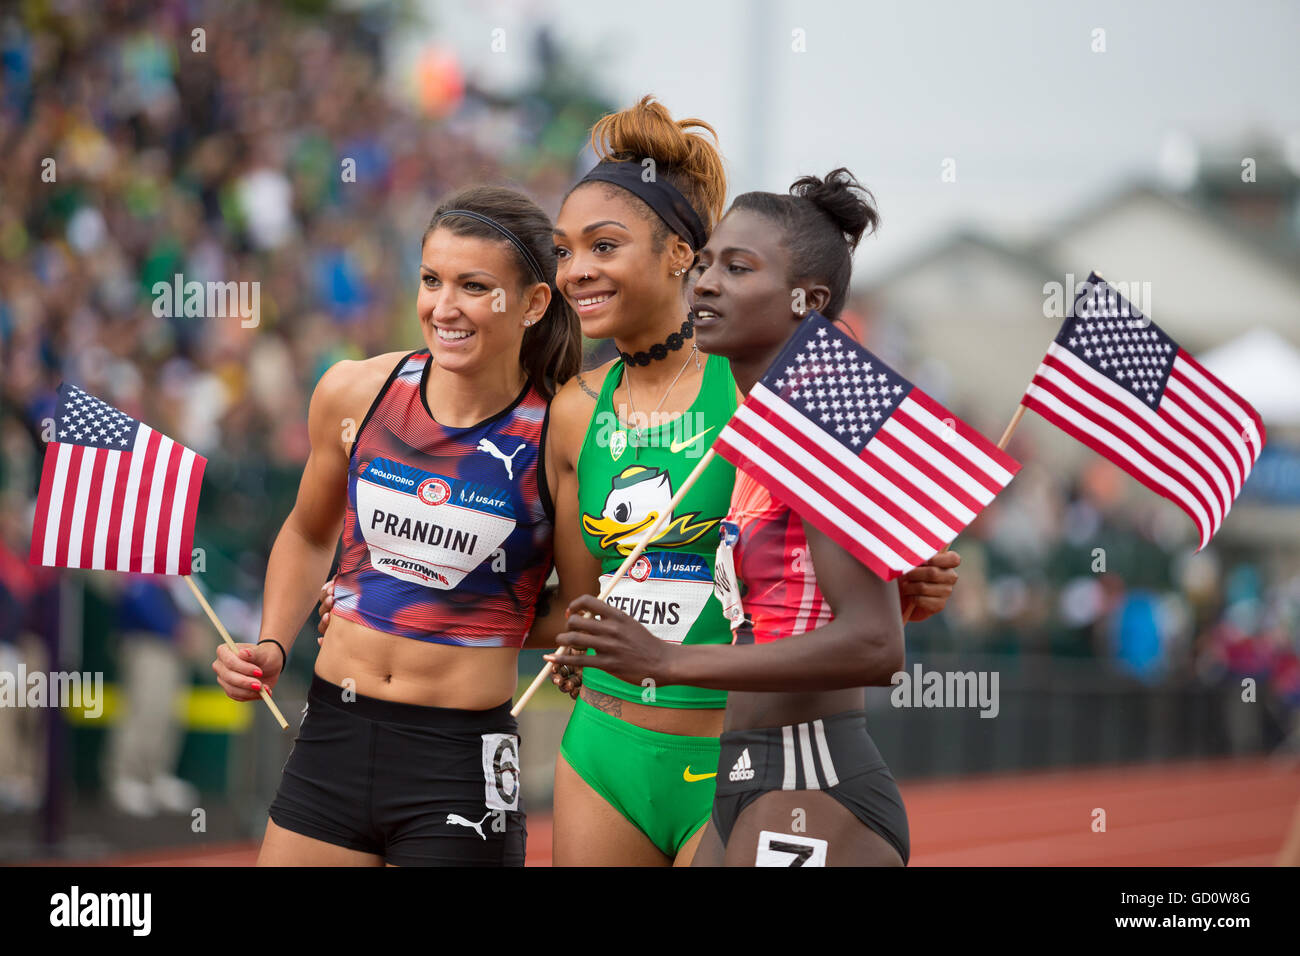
x=743 y=769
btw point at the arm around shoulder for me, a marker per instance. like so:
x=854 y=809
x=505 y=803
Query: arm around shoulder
x=577 y=568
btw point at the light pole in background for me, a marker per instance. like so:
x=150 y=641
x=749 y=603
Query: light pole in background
x=760 y=49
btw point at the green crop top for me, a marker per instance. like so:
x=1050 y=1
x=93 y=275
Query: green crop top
x=625 y=478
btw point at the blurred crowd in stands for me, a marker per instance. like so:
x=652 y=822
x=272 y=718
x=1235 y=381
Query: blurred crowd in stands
x=280 y=153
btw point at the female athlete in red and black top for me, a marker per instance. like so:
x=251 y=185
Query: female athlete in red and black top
x=795 y=736
x=431 y=464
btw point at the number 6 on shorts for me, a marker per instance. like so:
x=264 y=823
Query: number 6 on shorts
x=501 y=771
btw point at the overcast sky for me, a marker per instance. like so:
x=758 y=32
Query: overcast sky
x=1037 y=123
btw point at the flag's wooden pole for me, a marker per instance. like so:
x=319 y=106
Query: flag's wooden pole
x=1011 y=427
x=647 y=538
x=1002 y=446
x=225 y=636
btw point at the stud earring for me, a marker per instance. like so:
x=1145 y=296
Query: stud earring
x=678 y=272
x=528 y=321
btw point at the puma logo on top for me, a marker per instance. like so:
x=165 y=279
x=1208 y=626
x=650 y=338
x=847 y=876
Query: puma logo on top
x=460 y=821
x=485 y=444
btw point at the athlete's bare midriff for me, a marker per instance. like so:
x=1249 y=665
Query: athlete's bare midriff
x=757 y=710
x=408 y=671
x=687 y=722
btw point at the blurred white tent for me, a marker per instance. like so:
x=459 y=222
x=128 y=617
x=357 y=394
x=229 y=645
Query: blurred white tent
x=1264 y=369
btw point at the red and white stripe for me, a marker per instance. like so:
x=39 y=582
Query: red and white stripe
x=1196 y=448
x=118 y=510
x=920 y=479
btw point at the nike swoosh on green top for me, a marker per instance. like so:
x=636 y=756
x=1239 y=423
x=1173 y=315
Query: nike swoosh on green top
x=677 y=446
x=693 y=777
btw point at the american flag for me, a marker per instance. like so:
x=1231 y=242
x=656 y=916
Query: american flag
x=115 y=494
x=1116 y=382
x=861 y=453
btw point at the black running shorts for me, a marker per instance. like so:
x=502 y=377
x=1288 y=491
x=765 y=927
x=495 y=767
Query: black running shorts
x=418 y=786
x=834 y=754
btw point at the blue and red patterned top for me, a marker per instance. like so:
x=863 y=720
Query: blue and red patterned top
x=448 y=532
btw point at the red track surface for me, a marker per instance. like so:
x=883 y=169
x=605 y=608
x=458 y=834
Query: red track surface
x=1224 y=813
x=1221 y=813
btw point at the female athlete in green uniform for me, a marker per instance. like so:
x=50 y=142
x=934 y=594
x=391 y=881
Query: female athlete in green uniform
x=634 y=776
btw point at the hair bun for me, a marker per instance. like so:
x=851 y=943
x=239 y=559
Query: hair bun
x=848 y=203
x=648 y=131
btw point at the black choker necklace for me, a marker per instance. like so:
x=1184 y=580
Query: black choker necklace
x=661 y=349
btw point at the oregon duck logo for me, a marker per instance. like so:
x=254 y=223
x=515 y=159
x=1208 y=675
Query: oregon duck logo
x=638 y=497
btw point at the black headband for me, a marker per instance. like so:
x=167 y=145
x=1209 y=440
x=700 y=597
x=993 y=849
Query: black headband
x=659 y=194
x=523 y=249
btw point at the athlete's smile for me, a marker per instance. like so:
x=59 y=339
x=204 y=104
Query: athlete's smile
x=453 y=337
x=705 y=313
x=589 y=302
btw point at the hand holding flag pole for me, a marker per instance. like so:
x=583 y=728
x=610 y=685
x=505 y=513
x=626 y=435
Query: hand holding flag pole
x=116 y=495
x=630 y=560
x=225 y=636
x=856 y=450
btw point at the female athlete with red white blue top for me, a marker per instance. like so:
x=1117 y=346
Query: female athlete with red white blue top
x=431 y=463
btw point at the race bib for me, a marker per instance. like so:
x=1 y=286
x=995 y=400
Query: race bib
x=788 y=849
x=664 y=591
x=725 y=583
x=429 y=528
x=501 y=771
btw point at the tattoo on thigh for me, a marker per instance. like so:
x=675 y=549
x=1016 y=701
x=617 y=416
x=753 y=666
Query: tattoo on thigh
x=610 y=705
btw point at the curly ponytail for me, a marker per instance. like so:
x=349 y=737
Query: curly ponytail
x=688 y=160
